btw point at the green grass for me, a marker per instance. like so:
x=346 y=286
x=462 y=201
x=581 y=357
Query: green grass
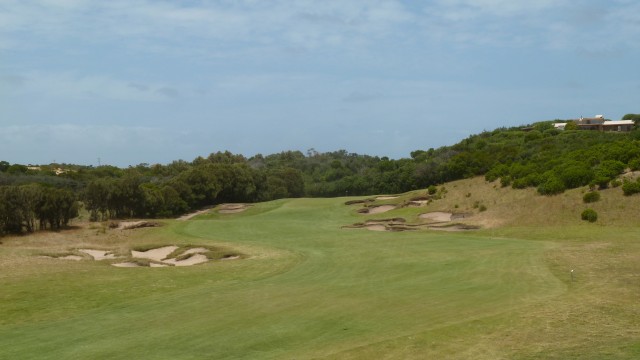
x=309 y=289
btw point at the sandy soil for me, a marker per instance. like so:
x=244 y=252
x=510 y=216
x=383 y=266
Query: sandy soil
x=230 y=258
x=193 y=214
x=454 y=228
x=380 y=209
x=71 y=257
x=232 y=208
x=376 y=227
x=158 y=254
x=386 y=197
x=418 y=202
x=437 y=216
x=126 y=264
x=192 y=260
x=98 y=254
x=199 y=250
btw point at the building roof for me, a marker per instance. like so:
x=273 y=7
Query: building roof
x=618 y=122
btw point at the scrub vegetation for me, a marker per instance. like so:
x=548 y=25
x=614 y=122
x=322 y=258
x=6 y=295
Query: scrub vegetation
x=535 y=156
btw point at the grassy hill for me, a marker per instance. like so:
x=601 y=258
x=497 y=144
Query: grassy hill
x=309 y=288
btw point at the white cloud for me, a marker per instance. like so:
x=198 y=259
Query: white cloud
x=217 y=24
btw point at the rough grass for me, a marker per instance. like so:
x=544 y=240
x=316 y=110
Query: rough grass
x=309 y=289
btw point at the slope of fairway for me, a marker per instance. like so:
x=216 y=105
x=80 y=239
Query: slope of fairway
x=307 y=289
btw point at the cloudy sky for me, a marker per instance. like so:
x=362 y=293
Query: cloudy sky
x=133 y=81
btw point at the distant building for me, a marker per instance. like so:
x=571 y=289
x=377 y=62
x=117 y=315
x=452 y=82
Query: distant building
x=599 y=123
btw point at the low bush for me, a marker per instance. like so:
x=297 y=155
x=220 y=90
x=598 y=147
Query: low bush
x=591 y=197
x=552 y=186
x=630 y=187
x=589 y=215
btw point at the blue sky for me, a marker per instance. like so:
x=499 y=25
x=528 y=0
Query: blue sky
x=133 y=81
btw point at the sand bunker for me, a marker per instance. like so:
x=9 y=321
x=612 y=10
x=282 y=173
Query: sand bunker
x=126 y=265
x=393 y=224
x=192 y=260
x=164 y=256
x=128 y=225
x=232 y=208
x=98 y=254
x=193 y=214
x=376 y=227
x=198 y=250
x=386 y=197
x=376 y=209
x=454 y=227
x=158 y=254
x=437 y=216
x=418 y=203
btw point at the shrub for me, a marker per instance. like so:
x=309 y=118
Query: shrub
x=552 y=186
x=482 y=208
x=589 y=215
x=432 y=189
x=630 y=187
x=590 y=197
x=634 y=164
x=505 y=181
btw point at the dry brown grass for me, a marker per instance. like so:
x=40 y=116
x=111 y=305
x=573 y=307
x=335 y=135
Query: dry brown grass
x=509 y=207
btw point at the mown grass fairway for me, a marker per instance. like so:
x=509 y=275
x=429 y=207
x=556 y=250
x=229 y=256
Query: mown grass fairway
x=309 y=289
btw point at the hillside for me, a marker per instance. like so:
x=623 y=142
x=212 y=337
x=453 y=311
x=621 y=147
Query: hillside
x=532 y=157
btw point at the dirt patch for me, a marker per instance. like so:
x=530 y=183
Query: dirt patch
x=126 y=264
x=98 y=254
x=232 y=208
x=129 y=225
x=437 y=216
x=386 y=197
x=376 y=227
x=158 y=254
x=376 y=209
x=194 y=259
x=198 y=250
x=454 y=227
x=393 y=224
x=417 y=203
x=354 y=202
x=71 y=257
x=193 y=214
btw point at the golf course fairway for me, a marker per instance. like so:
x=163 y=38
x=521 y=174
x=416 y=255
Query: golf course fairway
x=304 y=287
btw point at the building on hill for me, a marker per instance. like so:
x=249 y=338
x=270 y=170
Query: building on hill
x=599 y=123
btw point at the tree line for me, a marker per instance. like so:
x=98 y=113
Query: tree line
x=28 y=208
x=536 y=155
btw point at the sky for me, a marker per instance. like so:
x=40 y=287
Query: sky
x=124 y=82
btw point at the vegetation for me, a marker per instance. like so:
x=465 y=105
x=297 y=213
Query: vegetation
x=591 y=196
x=536 y=156
x=309 y=289
x=32 y=207
x=589 y=215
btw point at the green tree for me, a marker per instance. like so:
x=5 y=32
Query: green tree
x=571 y=125
x=634 y=117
